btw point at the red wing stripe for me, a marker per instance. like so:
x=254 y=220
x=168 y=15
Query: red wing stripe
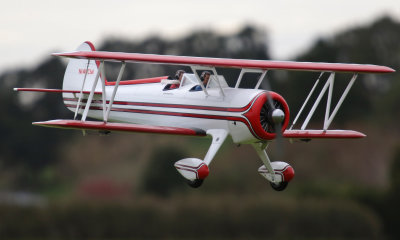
x=125 y=127
x=138 y=81
x=226 y=62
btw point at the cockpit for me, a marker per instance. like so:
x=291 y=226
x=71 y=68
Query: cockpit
x=190 y=80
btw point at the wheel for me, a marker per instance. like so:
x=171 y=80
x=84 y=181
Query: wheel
x=279 y=186
x=195 y=183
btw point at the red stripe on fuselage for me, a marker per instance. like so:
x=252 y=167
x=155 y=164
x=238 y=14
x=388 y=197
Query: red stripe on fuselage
x=242 y=119
x=179 y=114
x=164 y=105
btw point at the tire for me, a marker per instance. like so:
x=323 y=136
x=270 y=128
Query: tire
x=279 y=186
x=195 y=183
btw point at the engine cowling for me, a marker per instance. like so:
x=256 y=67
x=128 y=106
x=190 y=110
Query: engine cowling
x=264 y=119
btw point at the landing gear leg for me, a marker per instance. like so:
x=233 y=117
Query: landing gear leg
x=218 y=138
x=260 y=149
x=277 y=173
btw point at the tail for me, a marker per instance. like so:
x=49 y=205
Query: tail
x=81 y=72
x=80 y=76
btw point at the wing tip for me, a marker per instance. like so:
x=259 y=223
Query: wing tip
x=391 y=70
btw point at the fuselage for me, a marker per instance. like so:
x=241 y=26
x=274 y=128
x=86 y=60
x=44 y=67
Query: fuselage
x=148 y=103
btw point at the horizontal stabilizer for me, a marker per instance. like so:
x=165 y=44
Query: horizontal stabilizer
x=122 y=127
x=51 y=90
x=309 y=134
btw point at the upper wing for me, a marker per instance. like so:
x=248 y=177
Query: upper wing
x=226 y=62
x=124 y=127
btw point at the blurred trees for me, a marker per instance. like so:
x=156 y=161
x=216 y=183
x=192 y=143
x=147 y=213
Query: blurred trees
x=389 y=205
x=27 y=151
x=160 y=177
x=194 y=217
x=31 y=158
x=248 y=43
x=375 y=44
x=386 y=204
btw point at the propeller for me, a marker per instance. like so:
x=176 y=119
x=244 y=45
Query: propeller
x=273 y=119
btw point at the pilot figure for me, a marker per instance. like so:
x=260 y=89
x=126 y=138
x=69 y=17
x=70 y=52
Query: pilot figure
x=178 y=76
x=204 y=77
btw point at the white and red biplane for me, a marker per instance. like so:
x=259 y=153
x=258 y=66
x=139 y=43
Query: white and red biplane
x=248 y=116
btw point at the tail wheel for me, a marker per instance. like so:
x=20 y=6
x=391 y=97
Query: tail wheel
x=279 y=186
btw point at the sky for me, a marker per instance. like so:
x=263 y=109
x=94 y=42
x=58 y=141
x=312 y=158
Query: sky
x=31 y=30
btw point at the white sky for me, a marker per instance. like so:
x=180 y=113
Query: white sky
x=30 y=30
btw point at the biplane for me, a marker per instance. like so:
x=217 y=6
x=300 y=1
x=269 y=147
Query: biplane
x=248 y=116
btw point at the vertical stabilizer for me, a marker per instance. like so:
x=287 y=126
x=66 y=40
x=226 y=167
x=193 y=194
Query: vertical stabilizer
x=80 y=76
x=81 y=72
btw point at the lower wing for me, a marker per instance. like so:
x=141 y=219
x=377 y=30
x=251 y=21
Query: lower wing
x=310 y=134
x=122 y=127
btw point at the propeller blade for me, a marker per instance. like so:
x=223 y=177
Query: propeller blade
x=277 y=117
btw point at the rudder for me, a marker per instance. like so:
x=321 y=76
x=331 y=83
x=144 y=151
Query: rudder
x=74 y=77
x=76 y=70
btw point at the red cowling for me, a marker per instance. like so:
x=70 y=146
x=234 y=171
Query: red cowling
x=255 y=117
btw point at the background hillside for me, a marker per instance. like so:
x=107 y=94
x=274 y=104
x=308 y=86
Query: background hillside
x=58 y=184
